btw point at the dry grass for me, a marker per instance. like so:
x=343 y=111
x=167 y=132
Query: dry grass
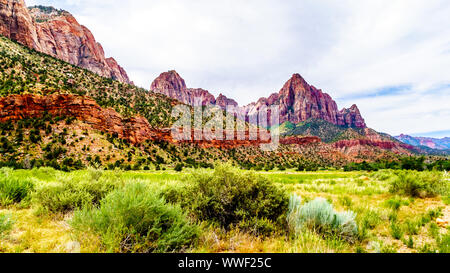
x=359 y=192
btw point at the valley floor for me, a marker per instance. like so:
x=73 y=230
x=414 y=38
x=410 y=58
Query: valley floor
x=386 y=222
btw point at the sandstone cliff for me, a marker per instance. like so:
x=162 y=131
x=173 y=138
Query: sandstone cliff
x=298 y=101
x=57 y=33
x=17 y=107
x=172 y=85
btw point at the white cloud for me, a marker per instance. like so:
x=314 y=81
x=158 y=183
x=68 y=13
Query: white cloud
x=248 y=49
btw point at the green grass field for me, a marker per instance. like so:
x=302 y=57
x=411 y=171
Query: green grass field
x=43 y=210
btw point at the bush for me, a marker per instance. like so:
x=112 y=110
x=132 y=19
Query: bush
x=396 y=231
x=6 y=224
x=136 y=219
x=179 y=167
x=230 y=197
x=74 y=192
x=319 y=215
x=13 y=190
x=419 y=184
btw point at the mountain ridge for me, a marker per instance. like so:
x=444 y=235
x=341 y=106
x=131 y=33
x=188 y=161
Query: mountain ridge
x=57 y=33
x=429 y=142
x=298 y=101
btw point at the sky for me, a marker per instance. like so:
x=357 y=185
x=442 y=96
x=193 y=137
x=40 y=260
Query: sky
x=390 y=57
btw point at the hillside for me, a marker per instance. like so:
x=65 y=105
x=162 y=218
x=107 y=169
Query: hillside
x=26 y=71
x=327 y=131
x=57 y=33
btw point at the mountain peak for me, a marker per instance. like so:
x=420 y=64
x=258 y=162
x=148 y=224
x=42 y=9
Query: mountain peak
x=351 y=117
x=169 y=82
x=57 y=33
x=297 y=80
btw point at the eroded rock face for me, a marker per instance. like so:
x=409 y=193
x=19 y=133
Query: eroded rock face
x=172 y=85
x=16 y=23
x=135 y=129
x=57 y=33
x=17 y=107
x=300 y=140
x=298 y=101
x=351 y=117
x=224 y=102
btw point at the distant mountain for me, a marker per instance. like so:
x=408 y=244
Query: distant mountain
x=298 y=101
x=433 y=143
x=57 y=33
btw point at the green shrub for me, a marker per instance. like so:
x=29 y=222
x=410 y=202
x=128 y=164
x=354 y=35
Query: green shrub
x=13 y=190
x=371 y=219
x=383 y=175
x=74 y=192
x=178 y=167
x=412 y=227
x=136 y=219
x=228 y=196
x=346 y=201
x=410 y=242
x=444 y=243
x=319 y=215
x=396 y=231
x=395 y=203
x=419 y=184
x=6 y=224
x=368 y=219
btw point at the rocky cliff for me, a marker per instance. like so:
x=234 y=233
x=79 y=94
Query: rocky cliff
x=298 y=101
x=17 y=107
x=57 y=33
x=172 y=85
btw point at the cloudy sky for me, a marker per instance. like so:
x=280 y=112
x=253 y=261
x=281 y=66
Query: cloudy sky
x=390 y=57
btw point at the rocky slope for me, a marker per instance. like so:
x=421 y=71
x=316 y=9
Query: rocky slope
x=17 y=107
x=298 y=101
x=57 y=33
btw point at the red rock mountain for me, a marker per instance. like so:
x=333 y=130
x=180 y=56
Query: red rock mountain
x=57 y=33
x=172 y=85
x=298 y=101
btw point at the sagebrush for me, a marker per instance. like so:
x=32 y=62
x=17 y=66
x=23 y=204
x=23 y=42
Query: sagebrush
x=137 y=219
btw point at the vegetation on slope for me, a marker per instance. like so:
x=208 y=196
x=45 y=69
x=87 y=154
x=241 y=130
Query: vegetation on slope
x=26 y=71
x=327 y=131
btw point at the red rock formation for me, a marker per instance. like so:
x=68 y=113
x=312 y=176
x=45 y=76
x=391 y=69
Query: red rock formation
x=135 y=129
x=17 y=107
x=298 y=101
x=351 y=117
x=17 y=24
x=224 y=102
x=172 y=85
x=300 y=140
x=385 y=145
x=58 y=34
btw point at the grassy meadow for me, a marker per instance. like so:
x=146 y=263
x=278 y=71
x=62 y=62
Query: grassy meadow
x=224 y=210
